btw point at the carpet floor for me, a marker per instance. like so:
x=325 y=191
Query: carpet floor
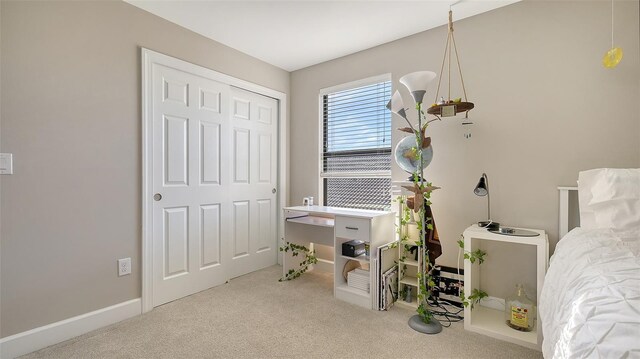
x=255 y=316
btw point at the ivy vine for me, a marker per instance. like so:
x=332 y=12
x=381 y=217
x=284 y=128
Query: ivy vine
x=477 y=255
x=296 y=249
x=426 y=282
x=475 y=297
x=405 y=218
x=476 y=294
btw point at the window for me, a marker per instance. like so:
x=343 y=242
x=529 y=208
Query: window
x=356 y=146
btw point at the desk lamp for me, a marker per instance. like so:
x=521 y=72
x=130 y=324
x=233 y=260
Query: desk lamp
x=482 y=189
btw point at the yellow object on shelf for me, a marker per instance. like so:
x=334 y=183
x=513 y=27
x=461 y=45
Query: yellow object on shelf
x=520 y=311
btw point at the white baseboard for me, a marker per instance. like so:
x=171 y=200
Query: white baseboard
x=42 y=337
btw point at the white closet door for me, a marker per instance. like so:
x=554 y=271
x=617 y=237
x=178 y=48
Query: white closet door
x=210 y=167
x=253 y=133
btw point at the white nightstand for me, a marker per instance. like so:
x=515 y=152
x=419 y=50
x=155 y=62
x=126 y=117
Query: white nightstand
x=489 y=319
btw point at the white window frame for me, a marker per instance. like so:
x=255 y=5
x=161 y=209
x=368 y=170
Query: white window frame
x=328 y=90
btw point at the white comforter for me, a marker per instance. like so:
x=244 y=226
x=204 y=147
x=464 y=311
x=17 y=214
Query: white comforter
x=590 y=302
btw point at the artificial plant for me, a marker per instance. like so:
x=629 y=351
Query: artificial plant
x=422 y=199
x=296 y=249
x=476 y=294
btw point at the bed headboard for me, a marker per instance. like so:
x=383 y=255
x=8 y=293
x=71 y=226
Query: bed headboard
x=569 y=215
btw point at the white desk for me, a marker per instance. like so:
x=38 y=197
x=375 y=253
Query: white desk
x=332 y=226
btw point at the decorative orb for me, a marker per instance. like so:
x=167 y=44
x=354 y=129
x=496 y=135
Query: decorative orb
x=406 y=155
x=612 y=58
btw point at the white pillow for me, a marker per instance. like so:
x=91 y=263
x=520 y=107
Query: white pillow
x=612 y=198
x=586 y=181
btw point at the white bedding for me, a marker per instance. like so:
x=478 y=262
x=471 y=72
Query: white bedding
x=590 y=302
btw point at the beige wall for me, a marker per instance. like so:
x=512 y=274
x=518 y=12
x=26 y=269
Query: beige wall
x=545 y=109
x=0 y=176
x=70 y=114
x=71 y=118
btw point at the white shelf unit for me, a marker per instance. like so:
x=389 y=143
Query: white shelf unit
x=374 y=231
x=491 y=321
x=408 y=266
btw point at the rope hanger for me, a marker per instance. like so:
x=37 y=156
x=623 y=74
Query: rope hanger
x=450 y=107
x=447 y=51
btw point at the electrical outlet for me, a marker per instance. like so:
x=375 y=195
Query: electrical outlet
x=124 y=266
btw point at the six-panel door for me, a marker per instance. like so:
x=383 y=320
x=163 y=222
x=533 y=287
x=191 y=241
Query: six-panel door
x=214 y=167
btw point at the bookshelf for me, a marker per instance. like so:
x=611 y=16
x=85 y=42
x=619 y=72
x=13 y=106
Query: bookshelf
x=408 y=265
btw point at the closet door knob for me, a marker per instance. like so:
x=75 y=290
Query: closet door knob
x=157 y=197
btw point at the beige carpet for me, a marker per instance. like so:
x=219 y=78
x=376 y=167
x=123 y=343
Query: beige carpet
x=255 y=316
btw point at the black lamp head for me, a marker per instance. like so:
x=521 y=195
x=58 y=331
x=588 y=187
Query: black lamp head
x=481 y=188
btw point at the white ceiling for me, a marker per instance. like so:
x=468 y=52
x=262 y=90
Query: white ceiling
x=296 y=34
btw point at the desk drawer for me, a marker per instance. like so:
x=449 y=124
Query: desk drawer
x=352 y=228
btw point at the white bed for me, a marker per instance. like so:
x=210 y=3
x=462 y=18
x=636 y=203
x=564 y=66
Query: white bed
x=590 y=302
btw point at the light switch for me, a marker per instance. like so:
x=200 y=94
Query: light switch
x=6 y=163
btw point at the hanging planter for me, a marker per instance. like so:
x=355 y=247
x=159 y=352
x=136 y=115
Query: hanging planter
x=450 y=107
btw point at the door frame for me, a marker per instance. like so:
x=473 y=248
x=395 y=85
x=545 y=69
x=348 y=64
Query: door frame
x=148 y=58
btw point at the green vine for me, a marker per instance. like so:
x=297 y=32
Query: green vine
x=477 y=255
x=476 y=294
x=406 y=215
x=425 y=279
x=309 y=259
x=426 y=282
x=475 y=297
x=404 y=220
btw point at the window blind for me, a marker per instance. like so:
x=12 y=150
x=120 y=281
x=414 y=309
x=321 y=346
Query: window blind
x=356 y=158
